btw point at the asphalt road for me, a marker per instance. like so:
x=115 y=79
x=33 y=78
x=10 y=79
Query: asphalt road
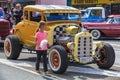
x=23 y=68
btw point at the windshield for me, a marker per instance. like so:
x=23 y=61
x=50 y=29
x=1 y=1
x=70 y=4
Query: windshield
x=94 y=12
x=113 y=20
x=86 y=13
x=62 y=16
x=1 y=14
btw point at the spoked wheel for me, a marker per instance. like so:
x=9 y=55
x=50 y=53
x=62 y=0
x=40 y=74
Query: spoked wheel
x=55 y=60
x=12 y=47
x=96 y=34
x=58 y=60
x=106 y=57
x=8 y=47
x=103 y=56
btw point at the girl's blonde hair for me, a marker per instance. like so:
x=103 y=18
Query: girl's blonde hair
x=41 y=23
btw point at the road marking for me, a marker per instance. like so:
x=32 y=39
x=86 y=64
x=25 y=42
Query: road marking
x=16 y=65
x=94 y=71
x=114 y=44
x=116 y=65
x=9 y=63
x=81 y=70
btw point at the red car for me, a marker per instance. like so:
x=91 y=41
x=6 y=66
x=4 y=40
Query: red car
x=109 y=28
x=5 y=28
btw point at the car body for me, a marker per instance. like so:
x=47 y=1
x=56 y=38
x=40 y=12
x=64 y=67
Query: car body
x=5 y=28
x=94 y=14
x=67 y=42
x=111 y=27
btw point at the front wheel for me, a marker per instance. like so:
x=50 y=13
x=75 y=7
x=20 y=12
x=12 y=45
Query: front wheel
x=12 y=47
x=106 y=57
x=96 y=34
x=58 y=60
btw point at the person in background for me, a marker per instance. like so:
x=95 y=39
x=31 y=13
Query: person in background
x=107 y=11
x=41 y=47
x=17 y=13
x=8 y=16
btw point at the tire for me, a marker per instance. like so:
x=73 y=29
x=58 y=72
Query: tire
x=12 y=47
x=58 y=60
x=106 y=56
x=96 y=34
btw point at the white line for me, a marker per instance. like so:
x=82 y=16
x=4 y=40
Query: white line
x=114 y=44
x=7 y=62
x=70 y=68
x=94 y=71
x=12 y=65
x=116 y=65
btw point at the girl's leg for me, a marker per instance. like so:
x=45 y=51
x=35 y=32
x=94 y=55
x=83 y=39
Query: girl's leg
x=38 y=60
x=45 y=61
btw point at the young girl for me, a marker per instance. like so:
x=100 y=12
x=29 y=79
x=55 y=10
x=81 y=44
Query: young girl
x=41 y=47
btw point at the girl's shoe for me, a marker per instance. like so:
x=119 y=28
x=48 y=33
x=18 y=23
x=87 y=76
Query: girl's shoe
x=47 y=72
x=38 y=71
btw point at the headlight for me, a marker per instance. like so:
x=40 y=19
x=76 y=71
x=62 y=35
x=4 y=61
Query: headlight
x=71 y=45
x=100 y=44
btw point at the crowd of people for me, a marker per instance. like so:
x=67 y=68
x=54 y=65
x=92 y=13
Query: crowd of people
x=14 y=15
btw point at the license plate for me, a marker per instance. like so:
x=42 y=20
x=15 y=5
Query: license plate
x=85 y=59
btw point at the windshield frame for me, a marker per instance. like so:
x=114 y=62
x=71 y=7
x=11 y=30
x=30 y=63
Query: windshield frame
x=63 y=19
x=108 y=21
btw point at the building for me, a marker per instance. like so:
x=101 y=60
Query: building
x=52 y=2
x=3 y=3
x=6 y=4
x=25 y=2
x=112 y=5
x=89 y=3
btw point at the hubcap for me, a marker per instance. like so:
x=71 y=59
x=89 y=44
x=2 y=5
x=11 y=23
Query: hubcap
x=55 y=60
x=103 y=56
x=7 y=46
x=95 y=34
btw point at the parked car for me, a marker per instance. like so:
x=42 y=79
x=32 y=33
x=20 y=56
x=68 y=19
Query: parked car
x=94 y=14
x=111 y=27
x=5 y=28
x=68 y=43
x=83 y=12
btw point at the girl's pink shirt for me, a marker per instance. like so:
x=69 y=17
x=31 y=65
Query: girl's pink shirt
x=39 y=37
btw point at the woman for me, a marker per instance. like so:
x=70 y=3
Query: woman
x=17 y=13
x=41 y=47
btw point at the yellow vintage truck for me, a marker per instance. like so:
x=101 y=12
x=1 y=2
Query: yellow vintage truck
x=68 y=43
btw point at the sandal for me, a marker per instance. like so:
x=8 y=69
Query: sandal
x=47 y=72
x=38 y=71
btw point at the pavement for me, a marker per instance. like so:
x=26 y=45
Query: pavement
x=24 y=68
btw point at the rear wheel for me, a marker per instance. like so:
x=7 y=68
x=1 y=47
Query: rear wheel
x=58 y=59
x=12 y=47
x=96 y=34
x=106 y=57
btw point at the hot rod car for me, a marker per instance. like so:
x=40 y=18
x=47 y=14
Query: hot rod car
x=67 y=41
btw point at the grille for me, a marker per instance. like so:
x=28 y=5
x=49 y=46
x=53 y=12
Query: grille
x=85 y=47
